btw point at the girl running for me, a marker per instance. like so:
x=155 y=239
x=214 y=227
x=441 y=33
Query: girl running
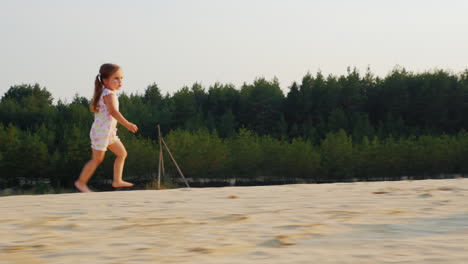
x=103 y=132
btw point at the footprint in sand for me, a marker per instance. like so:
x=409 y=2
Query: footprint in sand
x=201 y=250
x=278 y=241
x=231 y=217
x=425 y=195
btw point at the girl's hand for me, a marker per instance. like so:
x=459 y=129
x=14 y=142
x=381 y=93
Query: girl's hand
x=132 y=127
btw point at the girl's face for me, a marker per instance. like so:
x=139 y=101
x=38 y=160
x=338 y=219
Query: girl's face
x=115 y=81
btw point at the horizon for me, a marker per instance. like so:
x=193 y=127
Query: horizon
x=174 y=44
x=285 y=90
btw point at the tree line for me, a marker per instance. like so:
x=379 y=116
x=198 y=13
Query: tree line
x=324 y=129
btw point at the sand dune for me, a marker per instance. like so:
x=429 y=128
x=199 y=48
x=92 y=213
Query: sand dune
x=382 y=222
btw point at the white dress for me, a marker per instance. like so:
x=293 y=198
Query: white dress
x=104 y=129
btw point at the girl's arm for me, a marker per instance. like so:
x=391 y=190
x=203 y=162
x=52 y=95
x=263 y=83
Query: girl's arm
x=111 y=102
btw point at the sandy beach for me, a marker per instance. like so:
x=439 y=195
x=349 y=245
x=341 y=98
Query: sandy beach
x=380 y=222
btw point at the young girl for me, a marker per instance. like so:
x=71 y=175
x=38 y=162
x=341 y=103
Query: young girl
x=103 y=131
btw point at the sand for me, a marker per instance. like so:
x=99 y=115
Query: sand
x=381 y=222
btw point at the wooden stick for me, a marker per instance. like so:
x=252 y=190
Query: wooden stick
x=160 y=158
x=170 y=154
x=162 y=163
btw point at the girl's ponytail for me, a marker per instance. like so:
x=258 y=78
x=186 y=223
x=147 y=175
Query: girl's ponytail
x=105 y=72
x=97 y=93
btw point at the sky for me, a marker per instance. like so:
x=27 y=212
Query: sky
x=60 y=44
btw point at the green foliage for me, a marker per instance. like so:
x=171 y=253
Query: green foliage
x=301 y=159
x=261 y=105
x=326 y=128
x=337 y=156
x=245 y=154
x=142 y=159
x=200 y=154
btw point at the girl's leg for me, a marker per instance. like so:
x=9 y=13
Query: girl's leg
x=119 y=150
x=88 y=170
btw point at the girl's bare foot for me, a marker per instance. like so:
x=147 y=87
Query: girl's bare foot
x=82 y=187
x=121 y=184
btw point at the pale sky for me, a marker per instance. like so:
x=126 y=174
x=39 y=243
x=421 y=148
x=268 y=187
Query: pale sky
x=60 y=44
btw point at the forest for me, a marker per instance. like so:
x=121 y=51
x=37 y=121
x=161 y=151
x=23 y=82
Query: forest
x=335 y=128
